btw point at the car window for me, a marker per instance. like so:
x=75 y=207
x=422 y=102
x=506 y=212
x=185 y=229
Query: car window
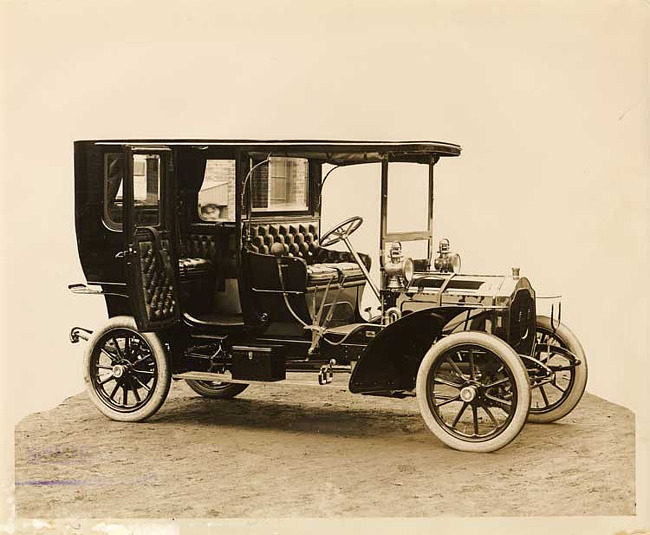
x=281 y=185
x=217 y=193
x=408 y=186
x=146 y=189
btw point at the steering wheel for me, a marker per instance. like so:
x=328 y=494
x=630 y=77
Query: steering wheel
x=340 y=231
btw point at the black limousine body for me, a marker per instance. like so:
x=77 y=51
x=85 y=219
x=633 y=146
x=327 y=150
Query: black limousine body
x=215 y=270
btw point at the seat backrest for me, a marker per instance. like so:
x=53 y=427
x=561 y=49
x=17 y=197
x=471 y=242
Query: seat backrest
x=299 y=239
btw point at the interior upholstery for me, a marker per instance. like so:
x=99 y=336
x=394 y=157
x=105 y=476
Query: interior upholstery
x=300 y=240
x=157 y=281
x=320 y=274
x=189 y=268
x=199 y=246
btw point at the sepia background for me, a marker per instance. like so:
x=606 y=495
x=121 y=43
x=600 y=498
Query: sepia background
x=549 y=101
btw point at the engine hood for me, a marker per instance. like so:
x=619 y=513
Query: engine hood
x=494 y=291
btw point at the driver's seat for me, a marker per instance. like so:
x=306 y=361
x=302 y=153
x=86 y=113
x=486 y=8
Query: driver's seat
x=309 y=270
x=300 y=240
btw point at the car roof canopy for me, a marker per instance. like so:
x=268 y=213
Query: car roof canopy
x=327 y=151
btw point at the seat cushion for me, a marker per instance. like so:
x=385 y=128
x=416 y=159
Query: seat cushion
x=193 y=267
x=321 y=274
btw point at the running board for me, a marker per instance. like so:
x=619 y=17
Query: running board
x=226 y=378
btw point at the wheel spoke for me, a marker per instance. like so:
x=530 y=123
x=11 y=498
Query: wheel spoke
x=112 y=396
x=104 y=367
x=475 y=418
x=491 y=416
x=117 y=347
x=544 y=396
x=471 y=364
x=456 y=369
x=498 y=400
x=112 y=357
x=146 y=372
x=460 y=414
x=125 y=390
x=552 y=383
x=111 y=377
x=497 y=383
x=449 y=400
x=135 y=393
x=448 y=383
x=148 y=389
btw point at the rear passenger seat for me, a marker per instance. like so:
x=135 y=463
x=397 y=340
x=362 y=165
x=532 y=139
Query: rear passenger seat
x=189 y=268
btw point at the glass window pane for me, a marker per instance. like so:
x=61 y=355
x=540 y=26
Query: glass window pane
x=217 y=194
x=408 y=197
x=146 y=189
x=113 y=178
x=281 y=185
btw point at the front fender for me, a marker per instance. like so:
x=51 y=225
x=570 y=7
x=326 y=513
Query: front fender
x=390 y=362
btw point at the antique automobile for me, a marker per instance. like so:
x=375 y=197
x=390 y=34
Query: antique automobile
x=214 y=269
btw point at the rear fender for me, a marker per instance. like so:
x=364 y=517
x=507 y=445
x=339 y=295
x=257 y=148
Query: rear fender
x=390 y=362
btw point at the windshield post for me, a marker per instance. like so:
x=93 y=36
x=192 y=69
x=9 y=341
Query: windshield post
x=430 y=240
x=383 y=216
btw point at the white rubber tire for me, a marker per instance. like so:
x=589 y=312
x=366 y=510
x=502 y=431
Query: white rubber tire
x=509 y=359
x=162 y=365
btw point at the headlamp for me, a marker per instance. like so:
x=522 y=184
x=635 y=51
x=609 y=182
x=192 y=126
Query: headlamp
x=446 y=262
x=398 y=268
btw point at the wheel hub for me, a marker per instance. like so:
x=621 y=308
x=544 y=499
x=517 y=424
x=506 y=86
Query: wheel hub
x=118 y=370
x=468 y=393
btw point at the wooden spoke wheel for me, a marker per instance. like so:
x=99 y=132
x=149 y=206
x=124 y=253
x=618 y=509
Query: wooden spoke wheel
x=473 y=392
x=126 y=372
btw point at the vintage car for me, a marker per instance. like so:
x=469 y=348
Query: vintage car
x=214 y=269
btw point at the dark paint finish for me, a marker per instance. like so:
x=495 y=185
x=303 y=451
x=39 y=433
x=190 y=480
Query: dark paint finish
x=388 y=356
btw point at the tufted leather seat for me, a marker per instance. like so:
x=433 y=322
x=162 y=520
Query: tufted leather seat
x=199 y=246
x=322 y=274
x=189 y=268
x=301 y=240
x=157 y=283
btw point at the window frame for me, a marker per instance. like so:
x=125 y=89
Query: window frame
x=107 y=220
x=265 y=213
x=231 y=218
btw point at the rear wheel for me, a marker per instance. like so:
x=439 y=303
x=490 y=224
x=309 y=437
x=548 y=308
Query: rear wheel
x=473 y=392
x=555 y=397
x=216 y=389
x=126 y=372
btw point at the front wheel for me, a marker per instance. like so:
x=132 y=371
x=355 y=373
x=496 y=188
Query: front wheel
x=216 y=389
x=555 y=397
x=126 y=372
x=473 y=392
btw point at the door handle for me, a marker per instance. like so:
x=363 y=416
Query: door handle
x=126 y=253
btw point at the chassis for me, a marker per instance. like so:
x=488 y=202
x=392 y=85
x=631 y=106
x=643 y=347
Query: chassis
x=213 y=268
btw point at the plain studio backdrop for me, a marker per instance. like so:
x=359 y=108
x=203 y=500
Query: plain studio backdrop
x=548 y=100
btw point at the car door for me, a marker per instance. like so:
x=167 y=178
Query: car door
x=148 y=226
